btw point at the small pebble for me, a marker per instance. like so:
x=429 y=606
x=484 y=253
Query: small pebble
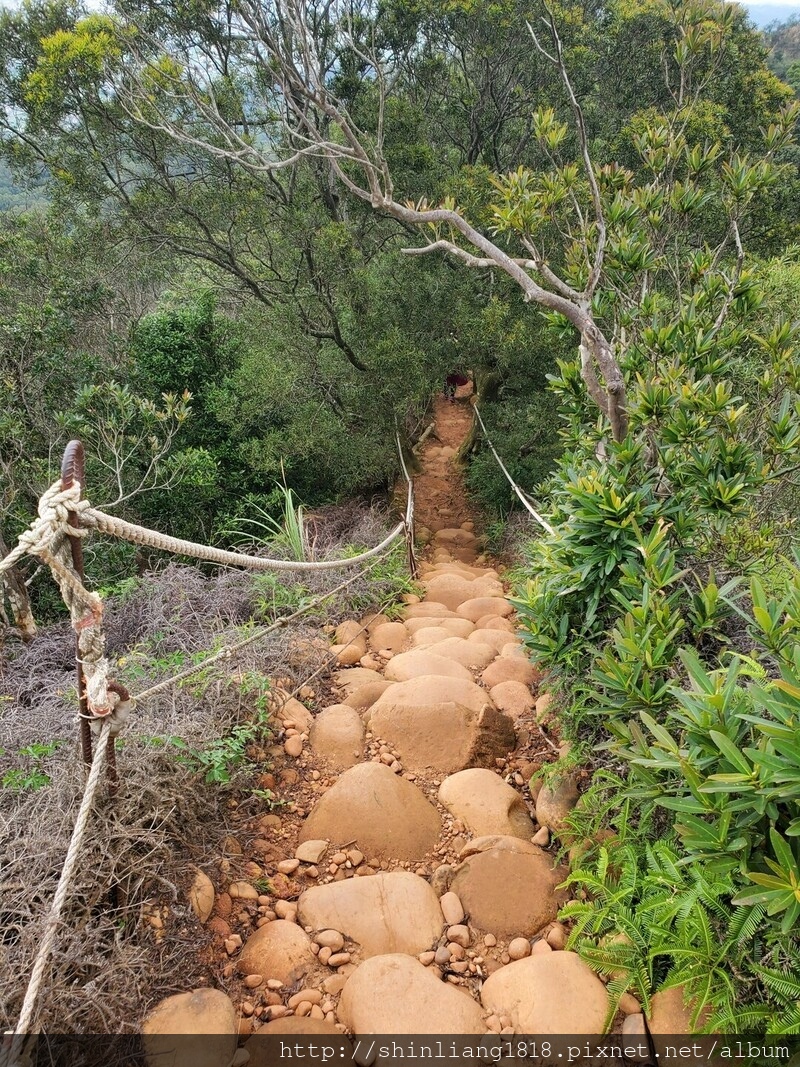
x=460 y=934
x=452 y=909
x=519 y=948
x=331 y=939
x=288 y=866
x=293 y=747
x=557 y=937
x=311 y=996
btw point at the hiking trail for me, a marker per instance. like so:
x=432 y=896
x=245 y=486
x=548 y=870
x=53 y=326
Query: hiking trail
x=410 y=884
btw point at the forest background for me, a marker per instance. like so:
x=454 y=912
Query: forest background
x=209 y=281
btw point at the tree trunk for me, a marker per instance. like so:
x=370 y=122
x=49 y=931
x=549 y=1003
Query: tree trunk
x=487 y=384
x=17 y=592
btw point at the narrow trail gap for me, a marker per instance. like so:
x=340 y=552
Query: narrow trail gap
x=440 y=498
x=408 y=883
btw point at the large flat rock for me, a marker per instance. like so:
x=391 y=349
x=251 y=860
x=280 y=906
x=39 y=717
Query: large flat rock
x=473 y=655
x=351 y=679
x=421 y=661
x=479 y=606
x=486 y=804
x=395 y=994
x=453 y=590
x=441 y=724
x=513 y=699
x=391 y=635
x=552 y=993
x=396 y=912
x=496 y=639
x=364 y=696
x=429 y=609
x=384 y=814
x=511 y=668
x=510 y=894
x=337 y=735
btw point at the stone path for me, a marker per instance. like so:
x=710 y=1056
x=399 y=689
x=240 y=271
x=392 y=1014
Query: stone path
x=413 y=888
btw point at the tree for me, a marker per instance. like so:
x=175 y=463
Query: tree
x=288 y=57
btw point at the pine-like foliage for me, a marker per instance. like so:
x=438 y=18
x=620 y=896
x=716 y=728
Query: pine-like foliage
x=646 y=921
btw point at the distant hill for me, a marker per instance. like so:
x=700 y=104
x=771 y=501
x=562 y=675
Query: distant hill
x=19 y=196
x=783 y=38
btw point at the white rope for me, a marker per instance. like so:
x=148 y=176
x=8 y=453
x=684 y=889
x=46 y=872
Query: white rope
x=55 y=504
x=409 y=517
x=139 y=535
x=542 y=522
x=228 y=650
x=9 y=1053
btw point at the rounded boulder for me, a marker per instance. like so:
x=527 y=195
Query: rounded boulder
x=384 y=814
x=395 y=994
x=486 y=804
x=278 y=950
x=551 y=993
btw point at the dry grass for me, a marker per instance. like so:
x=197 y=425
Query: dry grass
x=107 y=968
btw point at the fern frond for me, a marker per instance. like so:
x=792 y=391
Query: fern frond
x=744 y=922
x=787 y=1023
x=615 y=989
x=784 y=986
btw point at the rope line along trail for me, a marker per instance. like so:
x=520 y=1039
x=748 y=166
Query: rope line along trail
x=409 y=516
x=140 y=535
x=522 y=496
x=10 y=1049
x=64 y=518
x=228 y=650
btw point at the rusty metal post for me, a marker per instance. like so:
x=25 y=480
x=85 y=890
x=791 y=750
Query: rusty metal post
x=73 y=467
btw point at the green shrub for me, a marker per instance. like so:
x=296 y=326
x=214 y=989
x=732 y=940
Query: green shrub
x=652 y=921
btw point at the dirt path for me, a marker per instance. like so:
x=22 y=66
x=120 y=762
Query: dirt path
x=439 y=493
x=409 y=885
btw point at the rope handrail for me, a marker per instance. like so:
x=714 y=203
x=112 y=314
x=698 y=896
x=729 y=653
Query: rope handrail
x=140 y=535
x=9 y=1051
x=408 y=524
x=522 y=496
x=228 y=650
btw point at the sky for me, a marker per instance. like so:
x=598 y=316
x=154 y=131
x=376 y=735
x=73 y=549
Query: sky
x=761 y=13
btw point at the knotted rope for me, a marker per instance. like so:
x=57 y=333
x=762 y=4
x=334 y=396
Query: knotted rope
x=47 y=539
x=140 y=535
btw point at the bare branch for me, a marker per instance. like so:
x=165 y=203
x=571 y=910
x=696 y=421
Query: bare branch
x=577 y=111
